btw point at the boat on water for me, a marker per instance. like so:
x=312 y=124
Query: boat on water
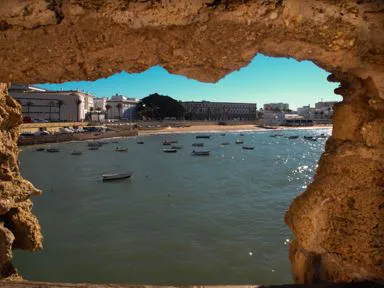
x=94 y=148
x=239 y=141
x=200 y=153
x=166 y=143
x=276 y=135
x=140 y=142
x=248 y=147
x=222 y=134
x=76 y=153
x=52 y=150
x=293 y=137
x=310 y=138
x=176 y=147
x=321 y=136
x=225 y=144
x=203 y=136
x=169 y=150
x=114 y=141
x=116 y=176
x=172 y=141
x=120 y=149
x=241 y=134
x=198 y=144
x=40 y=149
x=95 y=144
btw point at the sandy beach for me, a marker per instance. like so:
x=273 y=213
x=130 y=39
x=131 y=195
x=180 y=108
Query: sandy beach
x=221 y=128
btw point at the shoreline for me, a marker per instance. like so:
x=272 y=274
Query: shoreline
x=220 y=129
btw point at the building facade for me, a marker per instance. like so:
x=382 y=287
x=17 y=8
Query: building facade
x=100 y=104
x=44 y=105
x=276 y=107
x=219 y=111
x=121 y=107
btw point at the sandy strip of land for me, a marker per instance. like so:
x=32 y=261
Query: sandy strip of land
x=221 y=128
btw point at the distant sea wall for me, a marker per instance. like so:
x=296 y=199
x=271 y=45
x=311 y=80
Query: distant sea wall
x=34 y=140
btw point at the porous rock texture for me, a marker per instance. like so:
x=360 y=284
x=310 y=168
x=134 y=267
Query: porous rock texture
x=338 y=221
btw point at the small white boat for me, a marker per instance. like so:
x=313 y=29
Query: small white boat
x=224 y=144
x=239 y=141
x=116 y=176
x=76 y=153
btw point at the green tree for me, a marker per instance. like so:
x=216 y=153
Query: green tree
x=160 y=106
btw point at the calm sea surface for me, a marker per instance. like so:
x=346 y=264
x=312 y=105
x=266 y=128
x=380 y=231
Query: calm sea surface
x=179 y=220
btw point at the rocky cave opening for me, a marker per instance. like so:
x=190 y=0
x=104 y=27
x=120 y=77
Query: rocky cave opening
x=338 y=220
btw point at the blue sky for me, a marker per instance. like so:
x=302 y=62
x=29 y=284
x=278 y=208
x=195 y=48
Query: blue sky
x=264 y=80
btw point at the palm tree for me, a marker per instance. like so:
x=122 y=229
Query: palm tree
x=29 y=104
x=78 y=102
x=51 y=104
x=108 y=107
x=59 y=104
x=119 y=107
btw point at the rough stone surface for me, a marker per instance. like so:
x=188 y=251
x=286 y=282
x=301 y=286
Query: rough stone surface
x=19 y=228
x=338 y=220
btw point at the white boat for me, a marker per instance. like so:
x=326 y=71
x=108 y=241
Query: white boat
x=76 y=153
x=239 y=141
x=116 y=176
x=119 y=149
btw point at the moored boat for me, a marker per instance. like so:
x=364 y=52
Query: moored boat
x=225 y=144
x=239 y=141
x=200 y=153
x=172 y=141
x=169 y=150
x=94 y=148
x=293 y=137
x=203 y=136
x=52 y=150
x=40 y=149
x=222 y=134
x=176 y=147
x=166 y=143
x=121 y=149
x=116 y=176
x=94 y=144
x=322 y=136
x=140 y=142
x=198 y=144
x=76 y=153
x=248 y=147
x=276 y=135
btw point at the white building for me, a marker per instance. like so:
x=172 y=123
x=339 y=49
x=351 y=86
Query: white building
x=306 y=111
x=276 y=106
x=206 y=110
x=89 y=105
x=121 y=107
x=100 y=104
x=40 y=104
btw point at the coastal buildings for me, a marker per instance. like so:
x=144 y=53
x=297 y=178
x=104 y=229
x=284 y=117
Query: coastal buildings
x=219 y=111
x=276 y=107
x=121 y=107
x=44 y=105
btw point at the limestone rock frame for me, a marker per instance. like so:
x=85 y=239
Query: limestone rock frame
x=338 y=221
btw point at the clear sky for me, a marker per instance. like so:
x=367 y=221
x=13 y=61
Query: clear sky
x=264 y=80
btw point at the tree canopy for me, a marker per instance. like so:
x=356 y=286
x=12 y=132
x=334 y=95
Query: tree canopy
x=156 y=106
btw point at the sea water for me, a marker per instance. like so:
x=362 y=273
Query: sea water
x=180 y=219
